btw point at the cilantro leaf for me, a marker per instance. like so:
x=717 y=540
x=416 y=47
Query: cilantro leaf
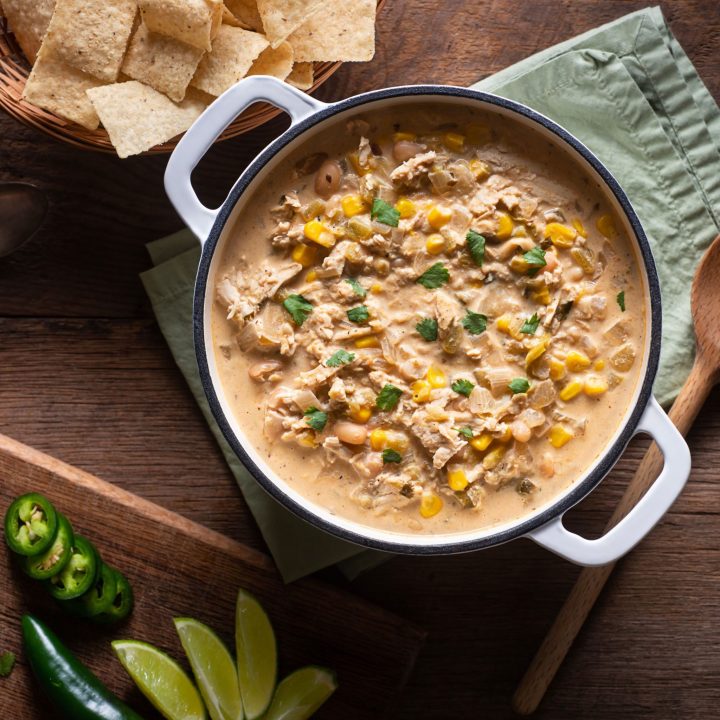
x=391 y=456
x=388 y=397
x=621 y=300
x=298 y=307
x=435 y=276
x=341 y=357
x=384 y=213
x=530 y=325
x=428 y=329
x=518 y=385
x=476 y=246
x=474 y=323
x=463 y=386
x=316 y=419
x=359 y=314
x=466 y=432
x=358 y=289
x=7 y=663
x=535 y=258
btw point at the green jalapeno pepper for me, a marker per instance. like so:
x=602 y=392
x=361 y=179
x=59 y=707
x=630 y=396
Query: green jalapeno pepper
x=56 y=557
x=30 y=525
x=99 y=597
x=75 y=692
x=79 y=575
x=122 y=604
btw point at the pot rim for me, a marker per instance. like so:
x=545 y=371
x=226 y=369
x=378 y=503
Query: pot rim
x=524 y=525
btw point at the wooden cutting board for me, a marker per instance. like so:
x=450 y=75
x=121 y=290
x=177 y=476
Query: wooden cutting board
x=180 y=568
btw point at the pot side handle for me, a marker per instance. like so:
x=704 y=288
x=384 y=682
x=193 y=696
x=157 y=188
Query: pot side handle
x=647 y=512
x=207 y=128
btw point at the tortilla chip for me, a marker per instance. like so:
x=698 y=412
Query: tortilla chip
x=60 y=88
x=229 y=19
x=137 y=117
x=246 y=11
x=274 y=61
x=194 y=22
x=233 y=53
x=28 y=21
x=281 y=17
x=338 y=31
x=91 y=35
x=302 y=75
x=161 y=62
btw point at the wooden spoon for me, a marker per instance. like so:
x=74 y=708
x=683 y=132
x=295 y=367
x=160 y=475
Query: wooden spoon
x=704 y=375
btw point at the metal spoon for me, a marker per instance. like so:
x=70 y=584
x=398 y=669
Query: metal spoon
x=22 y=210
x=705 y=301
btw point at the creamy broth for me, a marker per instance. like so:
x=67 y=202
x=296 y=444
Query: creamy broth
x=392 y=369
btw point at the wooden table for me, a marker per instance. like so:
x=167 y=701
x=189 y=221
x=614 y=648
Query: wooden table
x=86 y=376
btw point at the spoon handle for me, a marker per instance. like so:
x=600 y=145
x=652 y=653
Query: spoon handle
x=591 y=581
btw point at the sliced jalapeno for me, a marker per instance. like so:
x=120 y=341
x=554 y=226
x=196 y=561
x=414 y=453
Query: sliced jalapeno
x=122 y=603
x=30 y=525
x=99 y=597
x=53 y=560
x=78 y=576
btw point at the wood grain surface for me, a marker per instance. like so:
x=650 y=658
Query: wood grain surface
x=181 y=569
x=86 y=377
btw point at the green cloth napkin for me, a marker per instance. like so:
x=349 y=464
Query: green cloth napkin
x=629 y=92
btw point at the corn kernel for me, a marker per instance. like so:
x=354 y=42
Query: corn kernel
x=505 y=226
x=575 y=361
x=560 y=235
x=573 y=388
x=311 y=276
x=503 y=324
x=559 y=436
x=457 y=480
x=439 y=216
x=585 y=258
x=378 y=439
x=504 y=435
x=421 y=391
x=405 y=207
x=519 y=264
x=454 y=141
x=599 y=364
x=430 y=504
x=535 y=352
x=371 y=341
x=407 y=136
x=557 y=368
x=397 y=441
x=479 y=169
x=579 y=227
x=481 y=442
x=595 y=386
x=307 y=439
x=435 y=244
x=376 y=288
x=606 y=225
x=493 y=458
x=360 y=414
x=478 y=134
x=304 y=254
x=359 y=168
x=436 y=377
x=318 y=232
x=352 y=205
x=541 y=296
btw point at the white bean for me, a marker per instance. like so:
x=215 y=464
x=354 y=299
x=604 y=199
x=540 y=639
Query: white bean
x=521 y=432
x=551 y=261
x=327 y=179
x=405 y=149
x=350 y=433
x=547 y=465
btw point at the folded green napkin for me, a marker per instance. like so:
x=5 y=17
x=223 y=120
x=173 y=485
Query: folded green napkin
x=629 y=92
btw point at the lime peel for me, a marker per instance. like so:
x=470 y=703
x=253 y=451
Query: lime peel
x=301 y=693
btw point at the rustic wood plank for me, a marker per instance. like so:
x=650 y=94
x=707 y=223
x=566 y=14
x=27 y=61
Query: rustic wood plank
x=180 y=568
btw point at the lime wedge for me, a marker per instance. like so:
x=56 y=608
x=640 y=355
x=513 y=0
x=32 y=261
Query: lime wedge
x=300 y=694
x=256 y=655
x=161 y=680
x=213 y=667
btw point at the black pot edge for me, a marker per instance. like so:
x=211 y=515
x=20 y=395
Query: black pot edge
x=523 y=527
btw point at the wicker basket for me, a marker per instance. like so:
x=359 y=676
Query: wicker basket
x=14 y=71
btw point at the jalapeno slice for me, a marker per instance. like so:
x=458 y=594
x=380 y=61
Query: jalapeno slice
x=54 y=559
x=122 y=603
x=78 y=576
x=30 y=525
x=99 y=597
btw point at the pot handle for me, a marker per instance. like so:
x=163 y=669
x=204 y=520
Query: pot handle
x=207 y=128
x=647 y=512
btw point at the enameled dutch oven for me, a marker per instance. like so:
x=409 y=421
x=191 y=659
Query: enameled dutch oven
x=310 y=119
